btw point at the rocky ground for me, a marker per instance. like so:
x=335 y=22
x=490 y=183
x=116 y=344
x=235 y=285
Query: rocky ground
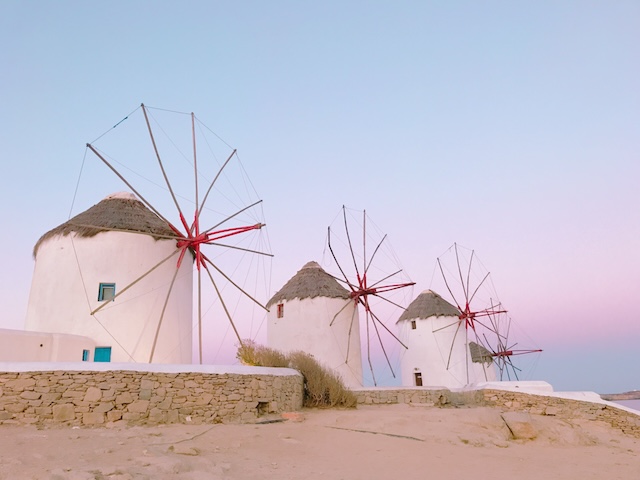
x=370 y=442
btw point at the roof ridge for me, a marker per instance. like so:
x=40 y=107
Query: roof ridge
x=310 y=281
x=111 y=213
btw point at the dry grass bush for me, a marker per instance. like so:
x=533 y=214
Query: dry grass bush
x=250 y=353
x=322 y=387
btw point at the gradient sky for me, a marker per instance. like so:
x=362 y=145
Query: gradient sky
x=512 y=128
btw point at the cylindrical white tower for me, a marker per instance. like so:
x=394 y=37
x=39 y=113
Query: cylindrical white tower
x=313 y=313
x=439 y=352
x=116 y=248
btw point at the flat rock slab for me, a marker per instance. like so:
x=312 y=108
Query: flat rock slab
x=520 y=425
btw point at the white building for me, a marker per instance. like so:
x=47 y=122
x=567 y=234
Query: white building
x=440 y=352
x=101 y=276
x=313 y=313
x=23 y=346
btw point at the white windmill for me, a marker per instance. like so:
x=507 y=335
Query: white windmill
x=313 y=313
x=123 y=273
x=463 y=342
x=80 y=267
x=424 y=328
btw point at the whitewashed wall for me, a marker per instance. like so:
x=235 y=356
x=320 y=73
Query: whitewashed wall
x=306 y=326
x=23 y=346
x=64 y=291
x=429 y=347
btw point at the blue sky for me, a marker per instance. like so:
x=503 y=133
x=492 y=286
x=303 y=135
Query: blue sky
x=510 y=128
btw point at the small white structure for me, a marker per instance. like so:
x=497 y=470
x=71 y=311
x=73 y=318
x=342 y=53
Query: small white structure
x=439 y=351
x=313 y=313
x=23 y=346
x=122 y=257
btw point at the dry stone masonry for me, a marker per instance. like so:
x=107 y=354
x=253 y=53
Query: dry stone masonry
x=146 y=397
x=510 y=401
x=438 y=397
x=507 y=401
x=95 y=395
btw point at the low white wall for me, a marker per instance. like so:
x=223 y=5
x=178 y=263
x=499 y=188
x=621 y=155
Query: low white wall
x=25 y=346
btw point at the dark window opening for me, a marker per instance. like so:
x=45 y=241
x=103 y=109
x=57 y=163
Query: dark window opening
x=85 y=355
x=413 y=324
x=106 y=292
x=280 y=310
x=418 y=379
x=262 y=408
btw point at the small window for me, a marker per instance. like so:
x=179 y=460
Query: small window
x=280 y=310
x=413 y=324
x=102 y=354
x=106 y=292
x=418 y=379
x=85 y=355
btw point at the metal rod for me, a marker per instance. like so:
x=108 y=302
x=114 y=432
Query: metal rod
x=444 y=277
x=387 y=329
x=195 y=174
x=340 y=311
x=224 y=306
x=142 y=199
x=346 y=229
x=155 y=149
x=233 y=283
x=233 y=215
x=164 y=307
x=374 y=254
x=382 y=345
x=346 y=279
x=135 y=281
x=200 y=316
x=206 y=195
x=241 y=248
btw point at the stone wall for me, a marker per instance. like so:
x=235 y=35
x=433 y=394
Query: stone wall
x=439 y=397
x=136 y=396
x=566 y=408
x=506 y=400
x=96 y=394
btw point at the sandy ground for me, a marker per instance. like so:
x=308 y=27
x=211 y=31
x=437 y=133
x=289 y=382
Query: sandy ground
x=375 y=442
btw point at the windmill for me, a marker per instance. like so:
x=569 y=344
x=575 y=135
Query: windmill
x=363 y=261
x=483 y=323
x=308 y=314
x=169 y=161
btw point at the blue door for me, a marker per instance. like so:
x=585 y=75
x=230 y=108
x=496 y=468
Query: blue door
x=102 y=354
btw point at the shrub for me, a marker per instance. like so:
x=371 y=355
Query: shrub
x=322 y=386
x=250 y=353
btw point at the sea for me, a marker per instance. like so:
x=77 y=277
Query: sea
x=635 y=404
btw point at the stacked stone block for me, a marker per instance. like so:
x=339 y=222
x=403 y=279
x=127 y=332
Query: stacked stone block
x=567 y=408
x=507 y=401
x=135 y=397
x=424 y=396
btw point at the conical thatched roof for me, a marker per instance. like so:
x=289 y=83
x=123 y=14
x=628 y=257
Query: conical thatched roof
x=119 y=211
x=311 y=281
x=429 y=304
x=480 y=354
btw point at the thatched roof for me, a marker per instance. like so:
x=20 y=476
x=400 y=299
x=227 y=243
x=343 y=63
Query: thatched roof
x=311 y=281
x=429 y=304
x=119 y=211
x=480 y=354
